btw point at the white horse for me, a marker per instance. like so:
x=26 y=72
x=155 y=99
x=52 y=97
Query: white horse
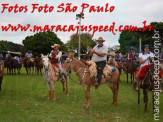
x=51 y=75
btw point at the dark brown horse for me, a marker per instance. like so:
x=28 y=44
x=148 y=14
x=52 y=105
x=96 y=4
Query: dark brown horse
x=12 y=65
x=1 y=73
x=147 y=84
x=129 y=67
x=27 y=64
x=83 y=73
x=39 y=65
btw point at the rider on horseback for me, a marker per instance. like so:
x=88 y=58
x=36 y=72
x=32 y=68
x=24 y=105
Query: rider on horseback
x=55 y=56
x=144 y=60
x=117 y=58
x=29 y=54
x=99 y=55
x=131 y=55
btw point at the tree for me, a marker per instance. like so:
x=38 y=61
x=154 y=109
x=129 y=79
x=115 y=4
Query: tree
x=86 y=41
x=41 y=43
x=128 y=39
x=10 y=46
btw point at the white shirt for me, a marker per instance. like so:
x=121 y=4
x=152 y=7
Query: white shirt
x=29 y=55
x=102 y=49
x=145 y=56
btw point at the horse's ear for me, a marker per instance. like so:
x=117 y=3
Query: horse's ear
x=71 y=54
x=42 y=55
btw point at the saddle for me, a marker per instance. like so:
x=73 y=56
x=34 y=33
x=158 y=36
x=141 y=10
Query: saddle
x=93 y=69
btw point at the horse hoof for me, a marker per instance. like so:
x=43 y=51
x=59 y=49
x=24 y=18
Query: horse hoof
x=67 y=94
x=63 y=92
x=54 y=99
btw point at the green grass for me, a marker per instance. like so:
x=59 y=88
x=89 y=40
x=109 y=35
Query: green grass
x=24 y=98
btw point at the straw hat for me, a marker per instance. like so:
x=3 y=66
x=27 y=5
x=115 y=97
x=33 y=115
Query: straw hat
x=100 y=39
x=55 y=45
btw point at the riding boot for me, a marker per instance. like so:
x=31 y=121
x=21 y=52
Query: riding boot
x=96 y=83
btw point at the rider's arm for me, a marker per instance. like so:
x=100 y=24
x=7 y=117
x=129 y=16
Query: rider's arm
x=59 y=55
x=100 y=54
x=141 y=61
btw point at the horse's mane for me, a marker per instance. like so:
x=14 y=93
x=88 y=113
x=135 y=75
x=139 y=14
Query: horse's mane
x=80 y=63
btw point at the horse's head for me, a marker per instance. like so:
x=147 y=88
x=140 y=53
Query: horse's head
x=45 y=61
x=68 y=64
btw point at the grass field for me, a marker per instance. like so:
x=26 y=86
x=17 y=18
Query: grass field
x=24 y=98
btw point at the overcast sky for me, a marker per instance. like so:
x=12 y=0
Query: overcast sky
x=126 y=12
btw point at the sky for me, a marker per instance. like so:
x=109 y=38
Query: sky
x=126 y=12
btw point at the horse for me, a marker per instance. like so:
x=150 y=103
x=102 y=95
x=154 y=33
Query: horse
x=112 y=62
x=39 y=65
x=82 y=71
x=13 y=65
x=1 y=74
x=51 y=75
x=28 y=63
x=6 y=64
x=129 y=67
x=147 y=84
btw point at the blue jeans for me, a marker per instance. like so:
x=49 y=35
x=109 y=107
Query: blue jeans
x=100 y=67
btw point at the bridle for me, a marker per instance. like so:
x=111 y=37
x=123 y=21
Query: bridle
x=68 y=68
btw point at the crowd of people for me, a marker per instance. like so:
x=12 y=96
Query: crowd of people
x=99 y=55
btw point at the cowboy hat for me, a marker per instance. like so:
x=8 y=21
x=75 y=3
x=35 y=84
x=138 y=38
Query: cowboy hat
x=100 y=39
x=117 y=51
x=55 y=45
x=146 y=45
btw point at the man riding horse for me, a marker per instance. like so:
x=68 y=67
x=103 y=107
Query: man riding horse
x=99 y=55
x=131 y=55
x=55 y=56
x=144 y=60
x=117 y=58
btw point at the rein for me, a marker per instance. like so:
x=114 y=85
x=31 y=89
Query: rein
x=85 y=70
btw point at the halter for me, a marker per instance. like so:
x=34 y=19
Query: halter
x=85 y=70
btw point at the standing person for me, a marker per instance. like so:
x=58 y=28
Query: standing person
x=29 y=54
x=99 y=55
x=55 y=56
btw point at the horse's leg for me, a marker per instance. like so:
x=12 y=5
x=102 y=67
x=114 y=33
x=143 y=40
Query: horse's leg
x=87 y=95
x=63 y=87
x=67 y=85
x=145 y=91
x=138 y=95
x=131 y=77
x=26 y=70
x=115 y=93
x=153 y=99
x=49 y=90
x=127 y=76
x=53 y=88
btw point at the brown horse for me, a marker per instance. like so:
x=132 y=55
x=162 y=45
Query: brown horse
x=51 y=75
x=28 y=64
x=39 y=65
x=147 y=84
x=1 y=74
x=83 y=73
x=129 y=67
x=112 y=62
